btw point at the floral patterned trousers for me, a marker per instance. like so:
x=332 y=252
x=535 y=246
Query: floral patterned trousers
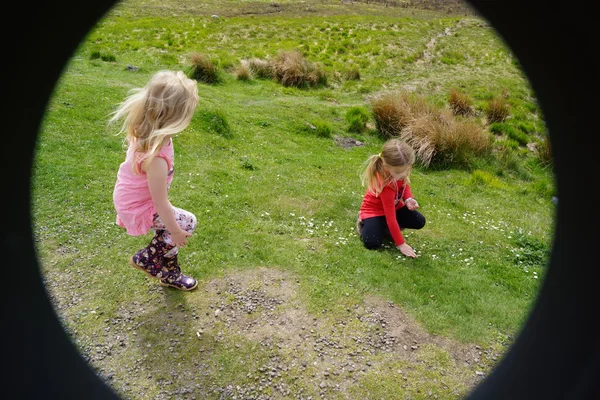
x=186 y=221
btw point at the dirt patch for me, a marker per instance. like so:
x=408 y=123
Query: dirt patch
x=170 y=345
x=347 y=142
x=265 y=306
x=265 y=303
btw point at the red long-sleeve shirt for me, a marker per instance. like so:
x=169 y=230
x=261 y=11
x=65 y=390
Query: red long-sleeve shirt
x=386 y=203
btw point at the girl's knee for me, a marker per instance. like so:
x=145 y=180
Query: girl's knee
x=420 y=222
x=372 y=243
x=187 y=221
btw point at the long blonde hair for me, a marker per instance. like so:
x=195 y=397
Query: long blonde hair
x=394 y=153
x=163 y=108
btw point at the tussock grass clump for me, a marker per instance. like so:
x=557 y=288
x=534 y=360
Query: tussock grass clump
x=525 y=126
x=259 y=68
x=292 y=69
x=425 y=134
x=352 y=74
x=357 y=118
x=393 y=111
x=107 y=57
x=436 y=134
x=439 y=138
x=323 y=129
x=203 y=69
x=460 y=103
x=511 y=132
x=242 y=71
x=518 y=135
x=544 y=152
x=496 y=109
x=320 y=128
x=484 y=178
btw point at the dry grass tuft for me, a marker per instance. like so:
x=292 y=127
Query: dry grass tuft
x=242 y=71
x=497 y=109
x=393 y=111
x=436 y=134
x=261 y=69
x=203 y=69
x=352 y=74
x=460 y=103
x=439 y=137
x=292 y=69
x=391 y=114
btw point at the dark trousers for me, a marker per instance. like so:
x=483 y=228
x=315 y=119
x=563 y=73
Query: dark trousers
x=375 y=229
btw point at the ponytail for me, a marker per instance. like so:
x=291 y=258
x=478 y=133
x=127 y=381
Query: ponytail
x=373 y=176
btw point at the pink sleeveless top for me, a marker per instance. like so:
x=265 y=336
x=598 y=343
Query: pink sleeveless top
x=131 y=195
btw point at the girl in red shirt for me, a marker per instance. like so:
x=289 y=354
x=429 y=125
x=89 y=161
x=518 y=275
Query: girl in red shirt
x=388 y=205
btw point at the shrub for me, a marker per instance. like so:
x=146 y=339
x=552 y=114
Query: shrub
x=357 y=118
x=202 y=69
x=496 y=109
x=460 y=103
x=292 y=69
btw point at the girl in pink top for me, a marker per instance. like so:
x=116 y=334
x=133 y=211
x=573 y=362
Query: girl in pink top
x=150 y=117
x=388 y=205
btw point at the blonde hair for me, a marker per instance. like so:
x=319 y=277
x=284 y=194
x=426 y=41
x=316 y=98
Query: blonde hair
x=394 y=153
x=163 y=108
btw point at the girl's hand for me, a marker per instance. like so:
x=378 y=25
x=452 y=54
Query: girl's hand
x=179 y=238
x=411 y=204
x=407 y=250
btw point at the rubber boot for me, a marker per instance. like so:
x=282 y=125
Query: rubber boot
x=149 y=259
x=174 y=276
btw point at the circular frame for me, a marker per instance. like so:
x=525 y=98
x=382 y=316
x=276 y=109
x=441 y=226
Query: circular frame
x=556 y=355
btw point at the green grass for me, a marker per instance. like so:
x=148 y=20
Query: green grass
x=270 y=193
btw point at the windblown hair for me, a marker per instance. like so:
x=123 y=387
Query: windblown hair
x=394 y=153
x=163 y=108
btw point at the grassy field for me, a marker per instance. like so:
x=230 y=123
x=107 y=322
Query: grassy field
x=290 y=304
